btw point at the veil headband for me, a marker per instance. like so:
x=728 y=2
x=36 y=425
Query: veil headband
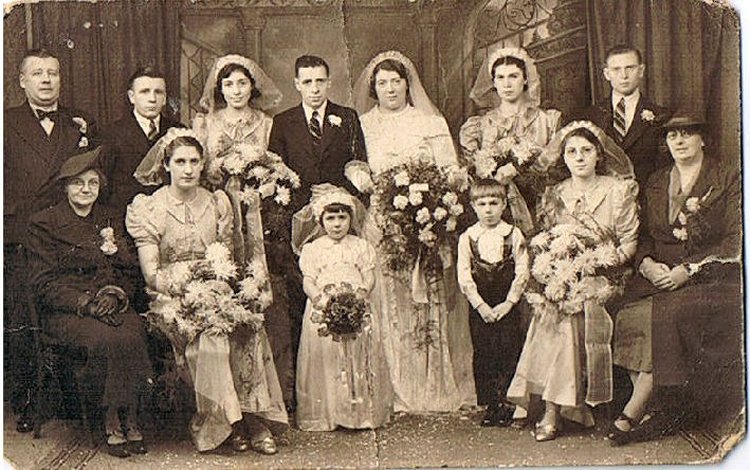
x=149 y=171
x=305 y=226
x=417 y=94
x=483 y=92
x=616 y=161
x=270 y=96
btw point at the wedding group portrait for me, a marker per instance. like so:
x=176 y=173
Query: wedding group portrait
x=372 y=234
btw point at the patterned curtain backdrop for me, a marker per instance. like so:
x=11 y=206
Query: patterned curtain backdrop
x=100 y=44
x=691 y=51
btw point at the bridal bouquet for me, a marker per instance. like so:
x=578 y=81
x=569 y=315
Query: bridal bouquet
x=212 y=295
x=341 y=310
x=505 y=159
x=418 y=209
x=573 y=263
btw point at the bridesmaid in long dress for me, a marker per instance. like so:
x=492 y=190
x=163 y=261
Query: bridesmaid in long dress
x=428 y=345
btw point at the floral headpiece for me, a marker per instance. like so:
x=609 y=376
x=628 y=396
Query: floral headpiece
x=336 y=196
x=270 y=94
x=483 y=93
x=149 y=171
x=616 y=161
x=361 y=91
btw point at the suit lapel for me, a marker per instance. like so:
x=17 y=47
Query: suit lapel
x=328 y=129
x=28 y=128
x=300 y=124
x=637 y=127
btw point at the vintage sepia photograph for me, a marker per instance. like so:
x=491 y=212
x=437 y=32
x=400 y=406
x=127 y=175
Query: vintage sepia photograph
x=372 y=234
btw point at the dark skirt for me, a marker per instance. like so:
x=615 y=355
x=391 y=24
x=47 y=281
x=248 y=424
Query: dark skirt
x=117 y=364
x=631 y=344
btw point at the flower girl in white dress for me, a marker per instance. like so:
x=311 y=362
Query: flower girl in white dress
x=342 y=377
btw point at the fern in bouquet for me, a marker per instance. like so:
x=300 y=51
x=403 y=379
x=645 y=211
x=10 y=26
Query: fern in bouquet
x=211 y=295
x=572 y=263
x=342 y=311
x=418 y=209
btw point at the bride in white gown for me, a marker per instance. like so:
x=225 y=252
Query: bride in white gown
x=428 y=345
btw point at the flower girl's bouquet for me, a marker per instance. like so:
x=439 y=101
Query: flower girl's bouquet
x=418 y=209
x=211 y=295
x=341 y=310
x=573 y=263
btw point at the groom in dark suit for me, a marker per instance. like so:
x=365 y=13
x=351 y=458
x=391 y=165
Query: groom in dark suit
x=629 y=117
x=316 y=139
x=126 y=141
x=39 y=136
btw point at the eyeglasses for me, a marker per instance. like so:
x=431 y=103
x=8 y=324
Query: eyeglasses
x=674 y=134
x=79 y=183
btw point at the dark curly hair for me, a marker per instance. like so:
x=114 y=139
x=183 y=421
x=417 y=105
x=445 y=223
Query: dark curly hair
x=560 y=171
x=510 y=60
x=225 y=72
x=390 y=65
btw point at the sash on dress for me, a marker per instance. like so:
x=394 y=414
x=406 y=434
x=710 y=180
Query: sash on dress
x=598 y=327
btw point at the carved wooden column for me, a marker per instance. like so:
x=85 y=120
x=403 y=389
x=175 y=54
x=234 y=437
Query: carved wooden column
x=426 y=19
x=253 y=23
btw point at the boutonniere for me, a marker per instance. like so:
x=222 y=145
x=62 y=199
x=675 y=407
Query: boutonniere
x=691 y=224
x=108 y=246
x=647 y=115
x=83 y=127
x=334 y=120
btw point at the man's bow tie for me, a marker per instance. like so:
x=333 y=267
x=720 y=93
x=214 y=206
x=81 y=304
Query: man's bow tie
x=41 y=114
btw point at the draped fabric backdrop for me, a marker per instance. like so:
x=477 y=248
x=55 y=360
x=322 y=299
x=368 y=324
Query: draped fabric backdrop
x=101 y=44
x=691 y=52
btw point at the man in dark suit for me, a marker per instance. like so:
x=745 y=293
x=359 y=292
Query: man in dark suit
x=126 y=141
x=315 y=139
x=318 y=137
x=629 y=117
x=39 y=137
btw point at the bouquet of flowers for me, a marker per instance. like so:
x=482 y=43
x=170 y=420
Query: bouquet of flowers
x=505 y=159
x=418 y=209
x=573 y=263
x=342 y=311
x=209 y=295
x=258 y=169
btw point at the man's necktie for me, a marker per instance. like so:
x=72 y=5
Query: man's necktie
x=619 y=118
x=315 y=129
x=152 y=131
x=41 y=114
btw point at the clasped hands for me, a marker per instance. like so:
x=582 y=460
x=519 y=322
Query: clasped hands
x=103 y=307
x=661 y=276
x=496 y=313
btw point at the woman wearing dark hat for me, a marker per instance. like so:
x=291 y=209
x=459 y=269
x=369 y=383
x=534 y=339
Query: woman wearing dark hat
x=80 y=271
x=683 y=314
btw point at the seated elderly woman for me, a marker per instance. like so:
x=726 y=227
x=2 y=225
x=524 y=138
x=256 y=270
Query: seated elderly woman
x=682 y=321
x=80 y=271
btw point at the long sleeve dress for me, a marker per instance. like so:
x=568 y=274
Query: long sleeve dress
x=553 y=360
x=66 y=263
x=428 y=346
x=697 y=329
x=231 y=375
x=340 y=383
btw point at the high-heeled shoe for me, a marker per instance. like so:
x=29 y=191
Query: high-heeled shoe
x=547 y=432
x=266 y=446
x=617 y=436
x=240 y=443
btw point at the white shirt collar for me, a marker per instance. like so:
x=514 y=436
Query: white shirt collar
x=35 y=108
x=145 y=122
x=630 y=100
x=309 y=111
x=502 y=229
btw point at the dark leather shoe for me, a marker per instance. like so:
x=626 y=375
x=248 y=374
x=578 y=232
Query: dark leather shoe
x=24 y=424
x=137 y=447
x=118 y=450
x=240 y=443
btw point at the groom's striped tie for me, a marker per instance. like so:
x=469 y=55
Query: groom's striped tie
x=314 y=126
x=619 y=118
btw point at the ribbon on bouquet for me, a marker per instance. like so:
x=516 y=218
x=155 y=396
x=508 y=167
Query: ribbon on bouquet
x=598 y=339
x=419 y=284
x=519 y=210
x=248 y=240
